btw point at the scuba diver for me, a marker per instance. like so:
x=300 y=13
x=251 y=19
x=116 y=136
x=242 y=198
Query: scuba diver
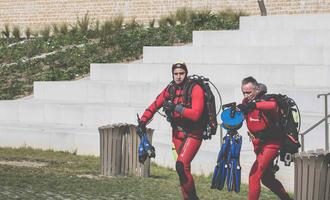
x=260 y=116
x=187 y=117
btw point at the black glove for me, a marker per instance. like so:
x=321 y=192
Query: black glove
x=246 y=108
x=169 y=106
x=141 y=128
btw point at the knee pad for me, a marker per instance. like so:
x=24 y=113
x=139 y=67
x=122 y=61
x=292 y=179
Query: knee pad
x=180 y=170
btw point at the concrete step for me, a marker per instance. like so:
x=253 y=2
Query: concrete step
x=130 y=93
x=73 y=113
x=140 y=72
x=238 y=55
x=223 y=74
x=61 y=137
x=280 y=37
x=142 y=95
x=305 y=97
x=286 y=22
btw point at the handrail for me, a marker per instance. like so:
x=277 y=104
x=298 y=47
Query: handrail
x=311 y=128
x=315 y=125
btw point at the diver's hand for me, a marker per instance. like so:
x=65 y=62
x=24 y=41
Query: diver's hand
x=169 y=106
x=141 y=128
x=246 y=107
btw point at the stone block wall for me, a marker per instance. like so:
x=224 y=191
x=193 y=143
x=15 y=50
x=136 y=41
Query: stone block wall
x=38 y=13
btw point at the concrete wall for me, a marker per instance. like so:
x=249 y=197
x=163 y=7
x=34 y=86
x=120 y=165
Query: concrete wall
x=37 y=13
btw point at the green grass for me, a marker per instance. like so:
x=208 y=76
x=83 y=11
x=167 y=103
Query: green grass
x=62 y=178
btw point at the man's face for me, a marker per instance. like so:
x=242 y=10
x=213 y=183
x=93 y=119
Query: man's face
x=179 y=75
x=249 y=91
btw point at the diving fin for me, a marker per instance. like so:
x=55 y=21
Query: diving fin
x=220 y=170
x=234 y=172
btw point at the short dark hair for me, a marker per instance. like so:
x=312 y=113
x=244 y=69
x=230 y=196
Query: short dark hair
x=181 y=66
x=251 y=80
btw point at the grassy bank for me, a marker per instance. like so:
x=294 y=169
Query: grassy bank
x=34 y=174
x=65 y=52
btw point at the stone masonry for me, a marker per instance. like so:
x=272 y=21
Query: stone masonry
x=39 y=13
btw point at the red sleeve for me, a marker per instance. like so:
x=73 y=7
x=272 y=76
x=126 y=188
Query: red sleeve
x=266 y=105
x=197 y=104
x=152 y=109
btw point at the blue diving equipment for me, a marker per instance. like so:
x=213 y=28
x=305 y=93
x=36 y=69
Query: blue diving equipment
x=146 y=150
x=228 y=164
x=231 y=119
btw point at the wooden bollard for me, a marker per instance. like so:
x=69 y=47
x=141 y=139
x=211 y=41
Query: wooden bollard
x=119 y=151
x=312 y=175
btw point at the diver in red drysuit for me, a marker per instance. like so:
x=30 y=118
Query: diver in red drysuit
x=265 y=141
x=186 y=121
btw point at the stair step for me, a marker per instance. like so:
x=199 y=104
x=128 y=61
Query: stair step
x=238 y=55
x=67 y=113
x=224 y=74
x=50 y=136
x=286 y=22
x=262 y=38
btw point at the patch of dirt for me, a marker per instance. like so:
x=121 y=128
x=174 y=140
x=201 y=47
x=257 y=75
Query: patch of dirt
x=23 y=163
x=90 y=176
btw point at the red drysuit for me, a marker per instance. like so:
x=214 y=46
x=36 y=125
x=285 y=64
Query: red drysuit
x=187 y=131
x=266 y=146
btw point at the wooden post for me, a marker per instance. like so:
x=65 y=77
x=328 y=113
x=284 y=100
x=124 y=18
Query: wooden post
x=119 y=151
x=312 y=175
x=297 y=176
x=327 y=185
x=305 y=170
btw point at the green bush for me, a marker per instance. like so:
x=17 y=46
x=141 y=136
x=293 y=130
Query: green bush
x=6 y=32
x=182 y=15
x=64 y=29
x=45 y=32
x=16 y=32
x=83 y=24
x=109 y=42
x=56 y=29
x=28 y=33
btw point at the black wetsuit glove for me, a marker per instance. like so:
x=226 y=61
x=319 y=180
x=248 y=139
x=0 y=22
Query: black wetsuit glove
x=246 y=108
x=141 y=128
x=169 y=106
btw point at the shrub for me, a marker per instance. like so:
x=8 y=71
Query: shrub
x=116 y=44
x=45 y=32
x=64 y=28
x=83 y=24
x=107 y=29
x=6 y=32
x=162 y=22
x=28 y=33
x=132 y=24
x=35 y=34
x=182 y=15
x=56 y=29
x=167 y=20
x=16 y=32
x=152 y=23
x=74 y=30
x=118 y=22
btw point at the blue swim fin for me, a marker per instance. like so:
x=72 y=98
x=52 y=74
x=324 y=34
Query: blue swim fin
x=234 y=172
x=145 y=149
x=220 y=170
